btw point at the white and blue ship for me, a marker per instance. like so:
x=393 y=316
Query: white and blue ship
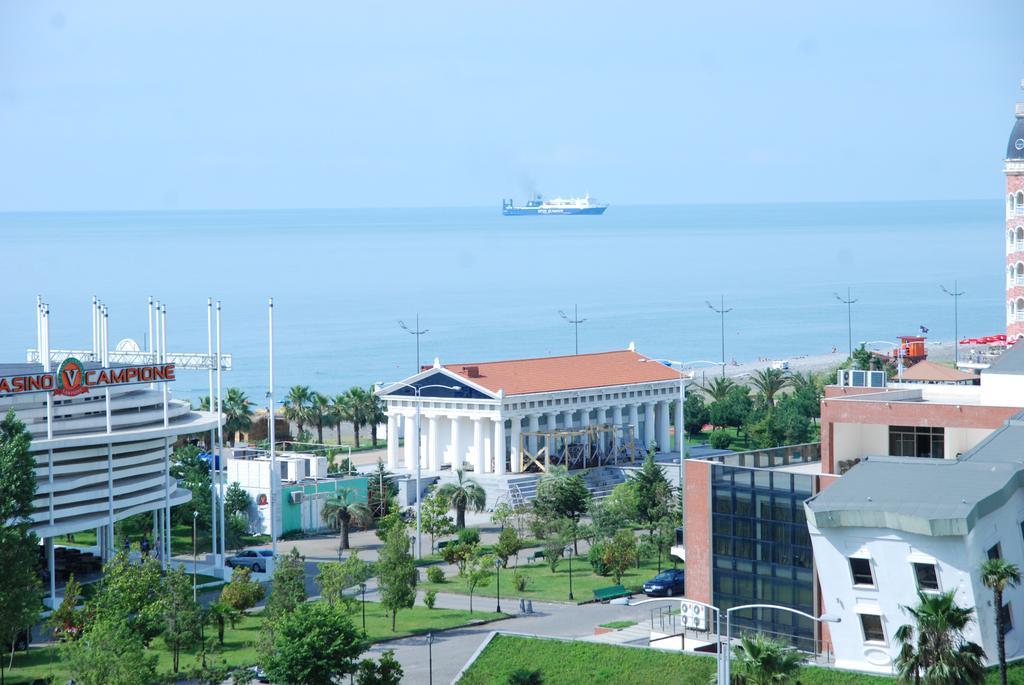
x=538 y=205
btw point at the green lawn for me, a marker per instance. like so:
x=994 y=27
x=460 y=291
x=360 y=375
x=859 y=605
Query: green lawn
x=544 y=585
x=571 y=663
x=181 y=540
x=239 y=641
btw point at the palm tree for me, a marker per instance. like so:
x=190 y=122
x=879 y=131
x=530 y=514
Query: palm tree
x=376 y=413
x=237 y=413
x=296 y=405
x=204 y=403
x=997 y=575
x=355 y=410
x=463 y=493
x=339 y=412
x=761 y=660
x=768 y=383
x=319 y=411
x=933 y=650
x=342 y=510
x=718 y=388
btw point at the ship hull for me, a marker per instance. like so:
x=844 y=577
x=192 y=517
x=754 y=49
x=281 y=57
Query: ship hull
x=535 y=211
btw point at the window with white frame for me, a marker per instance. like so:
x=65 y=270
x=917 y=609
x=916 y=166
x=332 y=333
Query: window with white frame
x=927 y=576
x=860 y=569
x=871 y=625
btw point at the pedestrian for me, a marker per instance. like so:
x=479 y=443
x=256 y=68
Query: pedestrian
x=144 y=545
x=127 y=544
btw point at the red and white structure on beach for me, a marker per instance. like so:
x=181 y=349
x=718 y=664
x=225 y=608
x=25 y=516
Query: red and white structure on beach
x=1014 y=171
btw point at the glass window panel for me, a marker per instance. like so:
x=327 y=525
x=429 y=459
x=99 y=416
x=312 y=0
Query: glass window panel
x=927 y=577
x=872 y=627
x=861 y=571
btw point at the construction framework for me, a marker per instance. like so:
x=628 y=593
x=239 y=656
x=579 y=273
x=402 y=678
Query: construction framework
x=577 y=448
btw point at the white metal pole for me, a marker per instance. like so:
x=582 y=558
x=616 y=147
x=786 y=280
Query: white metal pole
x=275 y=477
x=681 y=436
x=219 y=458
x=416 y=453
x=162 y=316
x=163 y=359
x=94 y=345
x=727 y=649
x=39 y=328
x=149 y=345
x=213 y=447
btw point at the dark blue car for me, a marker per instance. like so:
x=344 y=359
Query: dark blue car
x=667 y=583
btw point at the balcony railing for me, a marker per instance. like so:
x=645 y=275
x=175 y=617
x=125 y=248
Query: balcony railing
x=1017 y=246
x=1018 y=280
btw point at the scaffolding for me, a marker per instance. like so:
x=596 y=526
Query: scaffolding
x=577 y=448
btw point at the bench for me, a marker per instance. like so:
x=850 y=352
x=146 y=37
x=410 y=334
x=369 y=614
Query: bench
x=603 y=594
x=539 y=554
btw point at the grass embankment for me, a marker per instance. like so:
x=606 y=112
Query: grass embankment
x=545 y=585
x=570 y=663
x=239 y=642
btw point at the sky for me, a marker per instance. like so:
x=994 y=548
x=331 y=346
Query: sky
x=321 y=104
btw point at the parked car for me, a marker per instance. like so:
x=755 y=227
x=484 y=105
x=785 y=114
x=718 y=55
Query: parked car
x=254 y=559
x=669 y=582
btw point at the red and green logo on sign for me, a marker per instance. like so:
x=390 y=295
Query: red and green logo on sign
x=70 y=378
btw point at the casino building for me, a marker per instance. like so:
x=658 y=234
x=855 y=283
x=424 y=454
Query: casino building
x=102 y=433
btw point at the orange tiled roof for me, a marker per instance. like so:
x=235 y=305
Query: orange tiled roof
x=551 y=374
x=937 y=373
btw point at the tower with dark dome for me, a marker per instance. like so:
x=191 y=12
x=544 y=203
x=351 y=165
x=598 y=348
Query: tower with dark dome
x=1014 y=171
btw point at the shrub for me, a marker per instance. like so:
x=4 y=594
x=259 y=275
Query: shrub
x=429 y=597
x=596 y=558
x=520 y=581
x=435 y=574
x=523 y=676
x=469 y=536
x=720 y=440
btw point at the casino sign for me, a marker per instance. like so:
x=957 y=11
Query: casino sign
x=72 y=378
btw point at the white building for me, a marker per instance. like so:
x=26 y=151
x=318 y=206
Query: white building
x=475 y=416
x=251 y=469
x=892 y=526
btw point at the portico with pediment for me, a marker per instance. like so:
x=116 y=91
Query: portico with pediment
x=507 y=417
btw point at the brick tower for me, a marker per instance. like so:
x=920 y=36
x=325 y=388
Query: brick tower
x=1015 y=227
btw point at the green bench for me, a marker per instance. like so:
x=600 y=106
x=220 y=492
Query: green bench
x=603 y=594
x=536 y=556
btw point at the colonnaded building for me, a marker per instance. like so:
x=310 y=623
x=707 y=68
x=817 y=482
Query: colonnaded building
x=102 y=433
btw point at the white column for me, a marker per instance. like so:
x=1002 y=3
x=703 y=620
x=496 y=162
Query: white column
x=433 y=453
x=551 y=443
x=663 y=421
x=533 y=426
x=456 y=442
x=567 y=417
x=478 y=445
x=617 y=422
x=649 y=434
x=634 y=422
x=515 y=456
x=392 y=441
x=601 y=419
x=499 y=446
x=410 y=441
x=584 y=417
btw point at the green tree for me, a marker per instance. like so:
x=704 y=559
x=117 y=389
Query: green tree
x=653 y=494
x=720 y=439
x=555 y=542
x=435 y=519
x=477 y=573
x=733 y=410
x=503 y=514
x=620 y=553
x=237 y=500
x=615 y=511
x=385 y=672
x=296 y=405
x=126 y=593
x=768 y=383
x=508 y=545
x=664 y=537
x=463 y=494
x=564 y=497
x=808 y=391
x=354 y=410
x=718 y=388
x=342 y=510
x=237 y=413
x=397 y=577
x=193 y=473
x=380 y=490
x=375 y=413
x=221 y=614
x=182 y=616
x=695 y=414
x=761 y=660
x=314 y=645
x=288 y=589
x=334 y=578
x=319 y=413
x=20 y=594
x=68 y=620
x=109 y=652
x=242 y=593
x=997 y=575
x=933 y=650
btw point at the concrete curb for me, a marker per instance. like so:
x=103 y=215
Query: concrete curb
x=473 y=657
x=471 y=624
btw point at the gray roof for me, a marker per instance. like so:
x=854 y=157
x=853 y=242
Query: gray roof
x=1010 y=362
x=926 y=496
x=1016 y=134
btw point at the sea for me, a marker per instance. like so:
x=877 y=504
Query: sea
x=488 y=287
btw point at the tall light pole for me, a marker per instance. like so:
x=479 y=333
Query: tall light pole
x=430 y=658
x=824 y=618
x=721 y=311
x=955 y=294
x=849 y=302
x=497 y=571
x=568 y=554
x=195 y=556
x=417 y=332
x=275 y=475
x=417 y=389
x=575 y=320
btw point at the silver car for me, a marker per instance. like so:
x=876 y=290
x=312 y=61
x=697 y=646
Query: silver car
x=254 y=559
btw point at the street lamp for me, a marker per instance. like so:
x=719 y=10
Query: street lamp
x=721 y=311
x=575 y=321
x=568 y=554
x=417 y=332
x=430 y=657
x=417 y=389
x=955 y=294
x=720 y=674
x=362 y=590
x=824 y=618
x=497 y=571
x=849 y=302
x=195 y=557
